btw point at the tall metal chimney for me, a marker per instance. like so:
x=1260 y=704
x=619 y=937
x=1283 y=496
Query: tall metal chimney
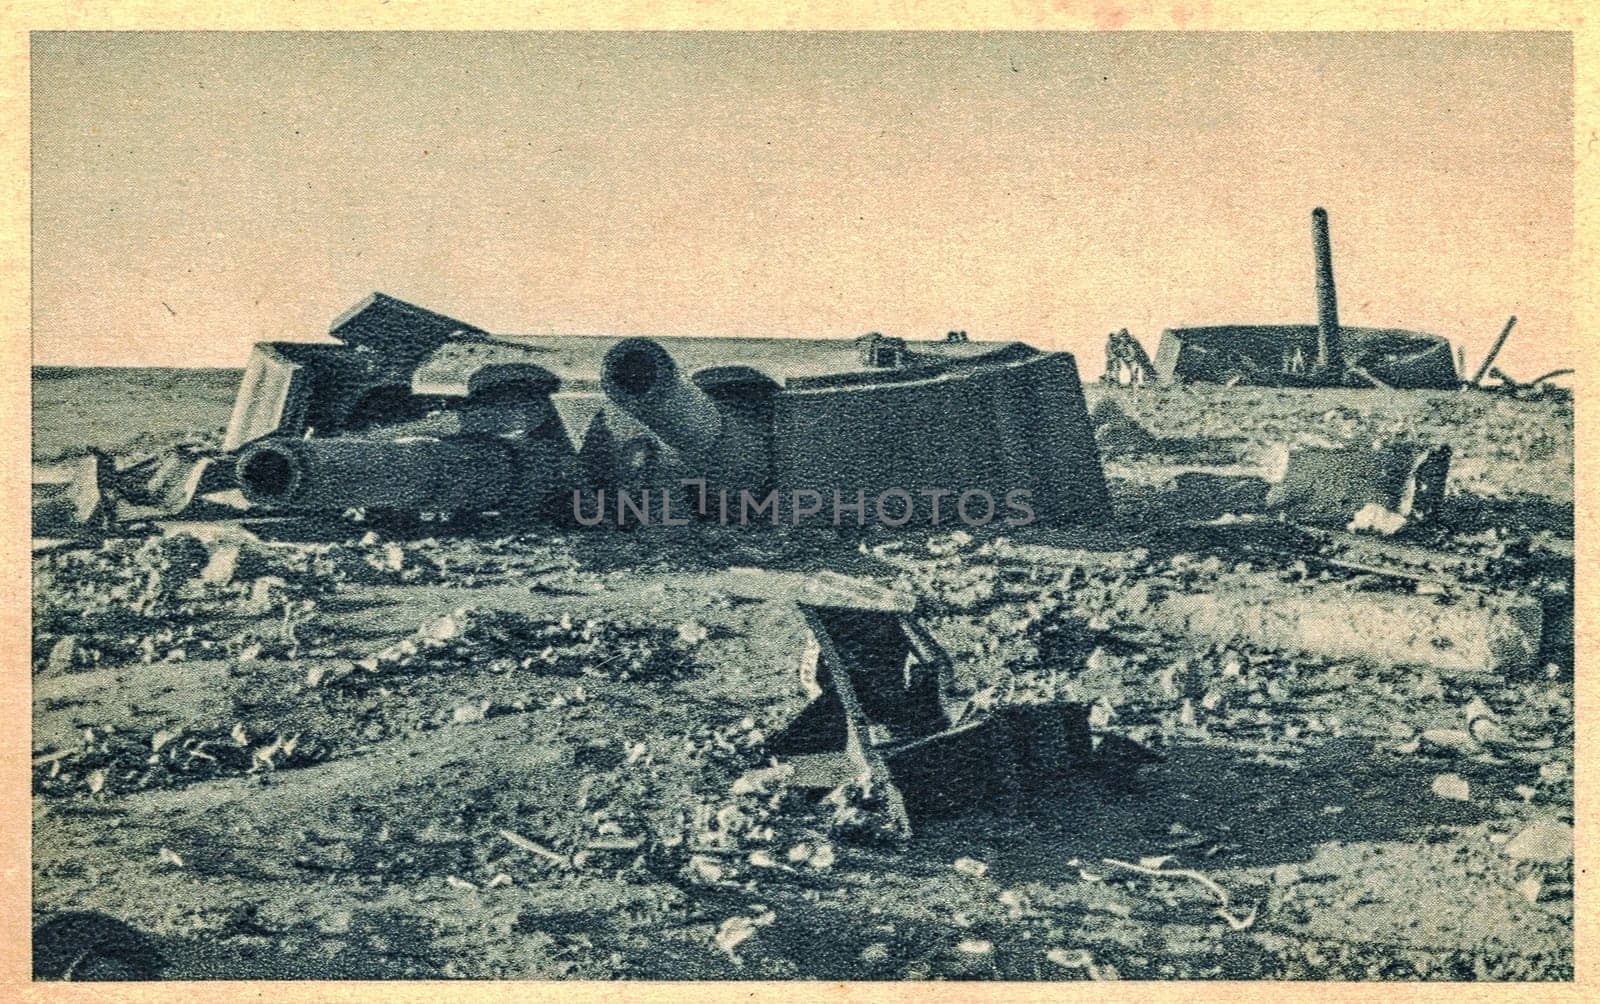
x=1329 y=355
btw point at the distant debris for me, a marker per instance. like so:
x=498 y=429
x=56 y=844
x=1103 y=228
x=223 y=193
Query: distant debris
x=1126 y=360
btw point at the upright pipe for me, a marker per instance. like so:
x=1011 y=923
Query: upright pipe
x=1329 y=353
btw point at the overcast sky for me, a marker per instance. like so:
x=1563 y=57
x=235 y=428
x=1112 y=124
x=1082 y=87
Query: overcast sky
x=194 y=193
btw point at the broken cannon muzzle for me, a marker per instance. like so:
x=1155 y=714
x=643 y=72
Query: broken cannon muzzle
x=349 y=472
x=643 y=380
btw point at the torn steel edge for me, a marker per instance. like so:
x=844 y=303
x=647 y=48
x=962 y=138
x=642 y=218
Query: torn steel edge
x=882 y=712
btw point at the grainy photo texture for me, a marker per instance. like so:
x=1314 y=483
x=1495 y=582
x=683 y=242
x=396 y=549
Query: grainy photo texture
x=600 y=506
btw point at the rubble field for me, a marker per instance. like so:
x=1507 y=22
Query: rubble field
x=352 y=750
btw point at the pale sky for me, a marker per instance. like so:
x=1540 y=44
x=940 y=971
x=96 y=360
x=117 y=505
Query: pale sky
x=194 y=193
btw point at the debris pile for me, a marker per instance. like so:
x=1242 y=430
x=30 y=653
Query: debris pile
x=503 y=641
x=708 y=808
x=109 y=761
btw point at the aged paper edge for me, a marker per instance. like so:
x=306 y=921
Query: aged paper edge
x=1061 y=15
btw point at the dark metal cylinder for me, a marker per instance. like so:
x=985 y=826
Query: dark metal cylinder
x=1329 y=353
x=641 y=378
x=351 y=472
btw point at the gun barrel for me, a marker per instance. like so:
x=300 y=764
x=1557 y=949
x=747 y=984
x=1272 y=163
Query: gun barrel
x=1329 y=354
x=349 y=472
x=641 y=378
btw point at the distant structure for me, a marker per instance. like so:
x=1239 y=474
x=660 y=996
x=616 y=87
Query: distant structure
x=1311 y=355
x=1126 y=358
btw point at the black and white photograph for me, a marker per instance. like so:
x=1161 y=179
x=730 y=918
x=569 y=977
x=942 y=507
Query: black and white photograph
x=1024 y=506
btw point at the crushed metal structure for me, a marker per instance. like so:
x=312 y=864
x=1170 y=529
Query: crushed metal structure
x=881 y=710
x=413 y=411
x=1308 y=355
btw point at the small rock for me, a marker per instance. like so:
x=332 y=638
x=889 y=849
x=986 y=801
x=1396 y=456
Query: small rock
x=466 y=714
x=1455 y=741
x=1547 y=840
x=62 y=653
x=222 y=564
x=1453 y=787
x=169 y=857
x=1286 y=875
x=335 y=922
x=878 y=951
x=1015 y=902
x=444 y=628
x=705 y=869
x=1377 y=519
x=1552 y=772
x=1070 y=958
x=1530 y=888
x=264 y=593
x=737 y=930
x=971 y=867
x=975 y=946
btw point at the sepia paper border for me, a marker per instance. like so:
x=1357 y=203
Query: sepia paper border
x=17 y=20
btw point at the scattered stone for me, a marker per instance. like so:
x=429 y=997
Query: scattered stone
x=1070 y=958
x=1375 y=518
x=223 y=563
x=62 y=654
x=1286 y=875
x=1453 y=787
x=735 y=931
x=1449 y=741
x=1548 y=841
x=822 y=858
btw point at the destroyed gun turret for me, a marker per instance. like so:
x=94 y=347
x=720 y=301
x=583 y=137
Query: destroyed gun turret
x=1325 y=354
x=413 y=411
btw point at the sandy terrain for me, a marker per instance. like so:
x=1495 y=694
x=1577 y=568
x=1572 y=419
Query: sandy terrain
x=309 y=766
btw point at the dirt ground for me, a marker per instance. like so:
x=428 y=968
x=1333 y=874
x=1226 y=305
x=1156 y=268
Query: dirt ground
x=376 y=752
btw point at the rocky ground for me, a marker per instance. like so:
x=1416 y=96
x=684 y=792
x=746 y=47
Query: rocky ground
x=367 y=752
